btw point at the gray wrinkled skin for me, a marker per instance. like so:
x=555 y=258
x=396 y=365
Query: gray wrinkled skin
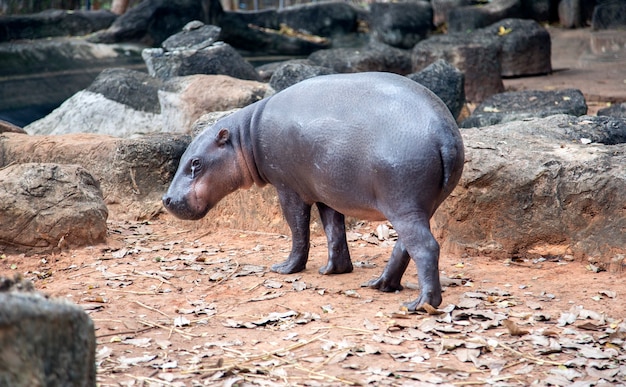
x=369 y=145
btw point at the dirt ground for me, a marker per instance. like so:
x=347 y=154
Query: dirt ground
x=178 y=306
x=175 y=305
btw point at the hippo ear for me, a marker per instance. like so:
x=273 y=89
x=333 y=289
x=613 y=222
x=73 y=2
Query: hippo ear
x=222 y=136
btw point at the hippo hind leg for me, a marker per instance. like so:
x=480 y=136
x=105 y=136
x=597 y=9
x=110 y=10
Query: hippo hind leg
x=422 y=247
x=335 y=228
x=389 y=280
x=298 y=216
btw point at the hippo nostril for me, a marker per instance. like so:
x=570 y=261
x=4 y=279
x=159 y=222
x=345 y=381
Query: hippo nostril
x=167 y=200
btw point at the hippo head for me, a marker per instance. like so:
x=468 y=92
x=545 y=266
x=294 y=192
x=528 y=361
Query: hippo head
x=208 y=170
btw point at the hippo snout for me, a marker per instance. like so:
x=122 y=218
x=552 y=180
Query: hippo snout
x=181 y=208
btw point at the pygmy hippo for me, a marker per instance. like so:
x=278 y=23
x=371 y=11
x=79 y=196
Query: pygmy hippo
x=372 y=145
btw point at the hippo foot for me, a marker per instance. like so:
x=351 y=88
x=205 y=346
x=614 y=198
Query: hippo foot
x=332 y=268
x=428 y=298
x=384 y=284
x=288 y=267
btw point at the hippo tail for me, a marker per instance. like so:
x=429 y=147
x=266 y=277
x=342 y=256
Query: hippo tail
x=452 y=159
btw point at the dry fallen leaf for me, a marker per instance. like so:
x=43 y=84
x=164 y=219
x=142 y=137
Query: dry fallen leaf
x=513 y=328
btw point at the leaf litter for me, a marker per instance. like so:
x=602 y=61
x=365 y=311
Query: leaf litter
x=190 y=309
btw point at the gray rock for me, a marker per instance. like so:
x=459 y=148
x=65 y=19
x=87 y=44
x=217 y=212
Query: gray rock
x=609 y=14
x=401 y=24
x=196 y=37
x=539 y=184
x=132 y=173
x=123 y=103
x=220 y=58
x=51 y=342
x=476 y=56
x=292 y=72
x=134 y=89
x=260 y=33
x=442 y=7
x=53 y=22
x=373 y=57
x=473 y=17
x=446 y=81
x=150 y=22
x=539 y=10
x=520 y=105
x=616 y=110
x=320 y=18
x=525 y=47
x=47 y=207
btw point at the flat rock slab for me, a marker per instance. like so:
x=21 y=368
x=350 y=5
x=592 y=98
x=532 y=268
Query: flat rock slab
x=546 y=186
x=47 y=207
x=44 y=342
x=520 y=105
x=133 y=173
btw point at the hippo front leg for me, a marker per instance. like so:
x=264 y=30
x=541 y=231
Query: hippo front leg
x=338 y=254
x=389 y=280
x=298 y=216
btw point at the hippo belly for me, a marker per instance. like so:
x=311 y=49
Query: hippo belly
x=363 y=153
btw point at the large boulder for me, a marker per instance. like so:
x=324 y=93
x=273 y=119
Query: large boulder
x=511 y=47
x=373 y=57
x=142 y=104
x=194 y=50
x=53 y=22
x=476 y=56
x=615 y=110
x=540 y=10
x=259 y=36
x=609 y=14
x=473 y=17
x=320 y=18
x=150 y=22
x=194 y=36
x=401 y=24
x=218 y=58
x=45 y=342
x=291 y=72
x=442 y=7
x=550 y=186
x=446 y=81
x=521 y=105
x=132 y=173
x=46 y=207
x=525 y=47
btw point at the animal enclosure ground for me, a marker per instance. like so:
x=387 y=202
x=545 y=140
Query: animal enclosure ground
x=178 y=306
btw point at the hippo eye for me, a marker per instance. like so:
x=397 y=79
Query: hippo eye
x=195 y=165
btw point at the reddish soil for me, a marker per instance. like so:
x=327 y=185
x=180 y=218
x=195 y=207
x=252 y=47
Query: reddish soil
x=149 y=274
